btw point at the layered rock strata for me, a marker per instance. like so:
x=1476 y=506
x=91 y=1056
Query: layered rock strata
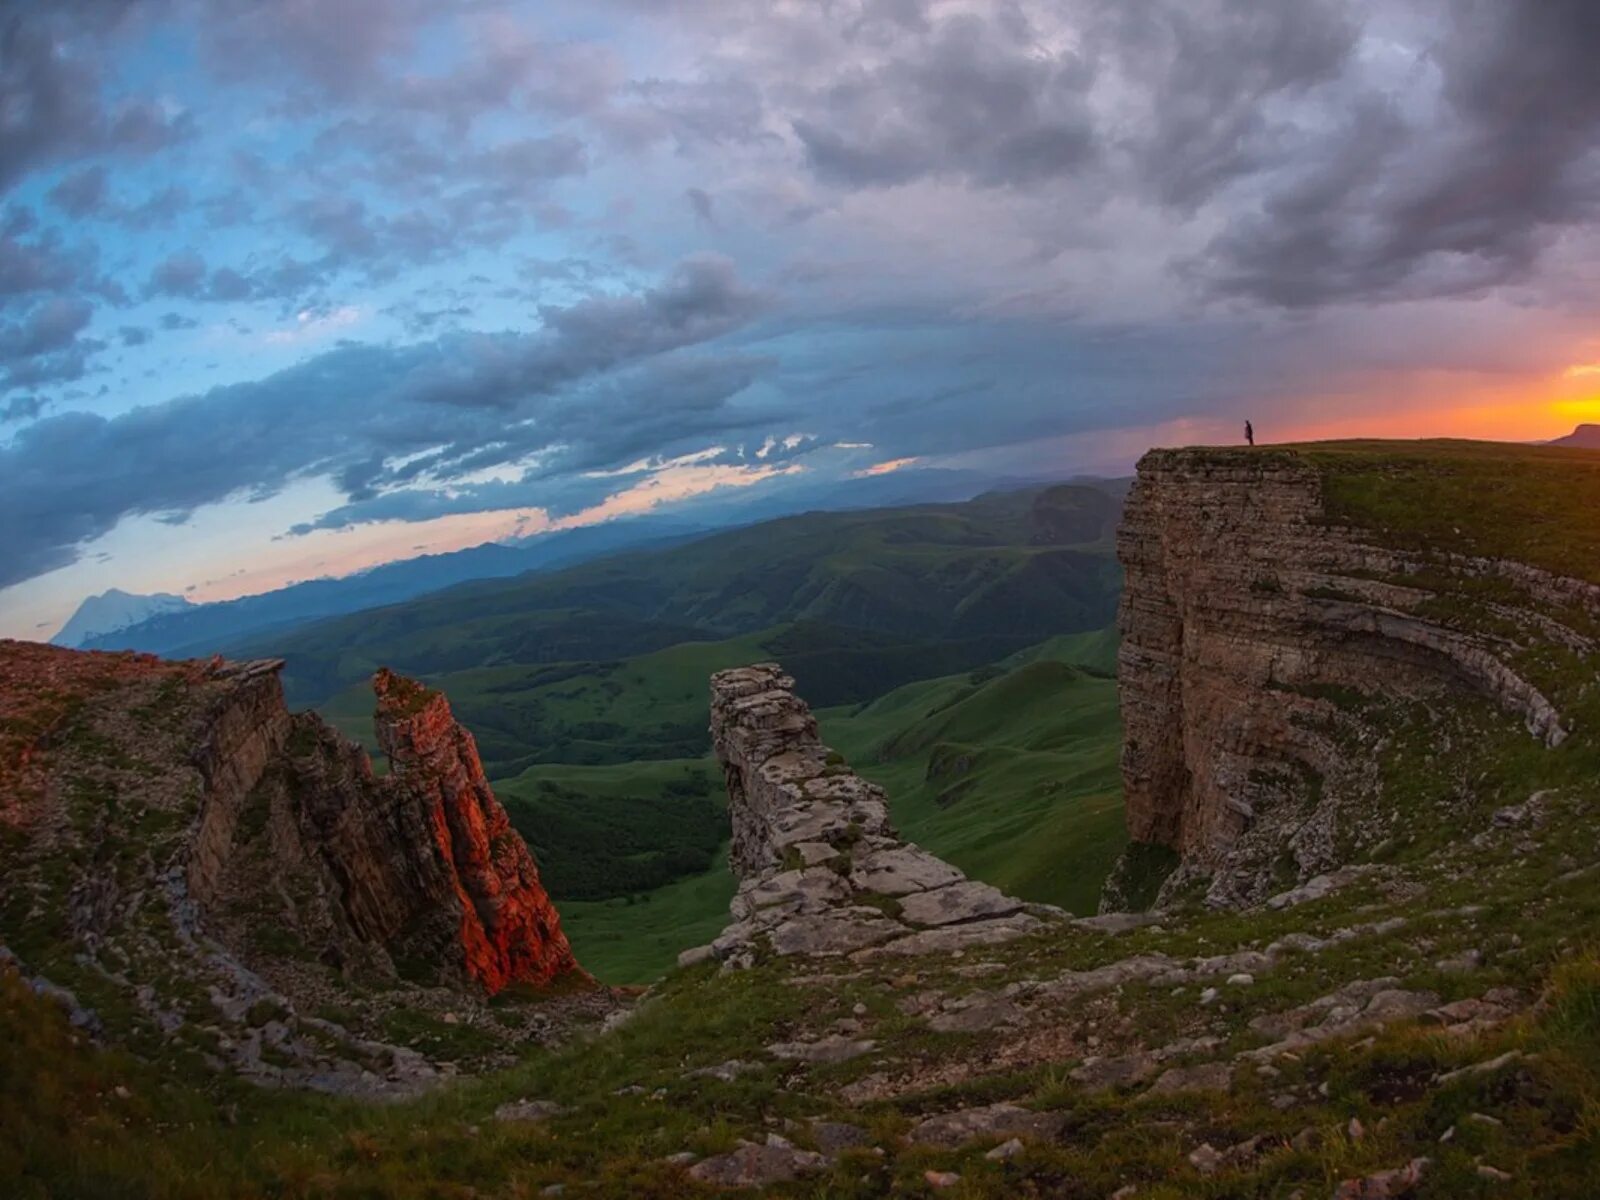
x=821 y=869
x=1246 y=617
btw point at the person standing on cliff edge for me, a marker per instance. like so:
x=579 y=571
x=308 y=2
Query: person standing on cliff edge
x=1250 y=433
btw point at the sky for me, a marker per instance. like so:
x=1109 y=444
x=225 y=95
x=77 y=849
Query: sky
x=289 y=288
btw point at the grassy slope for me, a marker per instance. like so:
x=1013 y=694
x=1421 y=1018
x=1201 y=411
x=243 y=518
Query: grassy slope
x=1041 y=812
x=622 y=829
x=606 y=664
x=1027 y=564
x=1012 y=777
x=1531 y=503
x=75 y=1122
x=636 y=940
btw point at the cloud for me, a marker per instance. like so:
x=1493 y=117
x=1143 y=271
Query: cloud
x=21 y=408
x=52 y=325
x=182 y=274
x=975 y=97
x=44 y=347
x=51 y=102
x=1389 y=206
x=82 y=193
x=47 y=101
x=700 y=204
x=338 y=51
x=42 y=265
x=598 y=384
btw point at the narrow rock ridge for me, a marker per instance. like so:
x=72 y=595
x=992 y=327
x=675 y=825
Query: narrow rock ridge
x=821 y=870
x=1244 y=608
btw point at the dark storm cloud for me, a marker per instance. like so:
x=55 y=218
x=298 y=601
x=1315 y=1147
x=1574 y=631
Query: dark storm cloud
x=462 y=403
x=1385 y=209
x=1208 y=70
x=975 y=98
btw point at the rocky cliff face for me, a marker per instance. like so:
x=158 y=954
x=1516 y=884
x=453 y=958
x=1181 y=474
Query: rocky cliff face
x=222 y=859
x=821 y=869
x=1249 y=623
x=418 y=873
x=509 y=932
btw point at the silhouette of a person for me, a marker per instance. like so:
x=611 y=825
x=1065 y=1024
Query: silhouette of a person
x=1250 y=433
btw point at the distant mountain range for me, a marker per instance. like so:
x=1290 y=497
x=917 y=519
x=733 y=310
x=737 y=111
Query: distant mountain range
x=171 y=626
x=852 y=603
x=112 y=612
x=182 y=629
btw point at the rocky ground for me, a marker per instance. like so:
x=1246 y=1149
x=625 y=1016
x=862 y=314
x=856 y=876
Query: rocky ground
x=1423 y=1025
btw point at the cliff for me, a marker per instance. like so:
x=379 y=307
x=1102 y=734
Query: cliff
x=175 y=833
x=509 y=931
x=1261 y=631
x=821 y=870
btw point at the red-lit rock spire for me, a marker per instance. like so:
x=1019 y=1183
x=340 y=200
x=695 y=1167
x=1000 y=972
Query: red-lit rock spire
x=510 y=931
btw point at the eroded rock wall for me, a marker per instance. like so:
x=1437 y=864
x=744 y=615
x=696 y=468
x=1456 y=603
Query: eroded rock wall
x=1245 y=614
x=246 y=729
x=175 y=831
x=821 y=869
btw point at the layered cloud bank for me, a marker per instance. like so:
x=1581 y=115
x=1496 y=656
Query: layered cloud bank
x=286 y=292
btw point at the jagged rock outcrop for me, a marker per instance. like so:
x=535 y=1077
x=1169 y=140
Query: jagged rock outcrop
x=172 y=830
x=418 y=872
x=510 y=932
x=1246 y=614
x=821 y=869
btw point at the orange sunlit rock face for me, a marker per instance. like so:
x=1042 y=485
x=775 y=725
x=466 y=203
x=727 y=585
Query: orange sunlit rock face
x=510 y=931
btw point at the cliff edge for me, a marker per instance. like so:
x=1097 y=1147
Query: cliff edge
x=1274 y=643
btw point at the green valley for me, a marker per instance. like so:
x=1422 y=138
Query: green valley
x=959 y=653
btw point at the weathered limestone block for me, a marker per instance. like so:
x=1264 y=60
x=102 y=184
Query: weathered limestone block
x=958 y=903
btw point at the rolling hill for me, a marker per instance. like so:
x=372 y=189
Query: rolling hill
x=1015 y=566
x=585 y=689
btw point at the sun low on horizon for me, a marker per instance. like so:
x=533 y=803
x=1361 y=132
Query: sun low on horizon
x=294 y=290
